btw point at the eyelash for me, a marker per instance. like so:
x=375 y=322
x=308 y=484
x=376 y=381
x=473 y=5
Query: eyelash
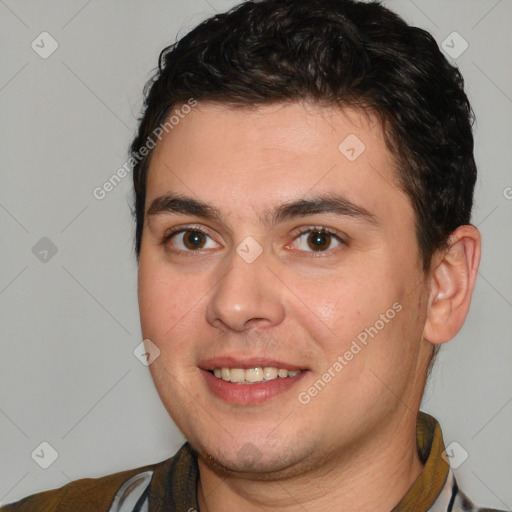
x=309 y=229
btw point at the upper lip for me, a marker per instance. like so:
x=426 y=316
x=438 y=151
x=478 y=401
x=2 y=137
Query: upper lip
x=246 y=363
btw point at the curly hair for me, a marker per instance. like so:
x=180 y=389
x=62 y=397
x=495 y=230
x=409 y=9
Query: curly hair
x=334 y=52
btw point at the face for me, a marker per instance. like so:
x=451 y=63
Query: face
x=276 y=242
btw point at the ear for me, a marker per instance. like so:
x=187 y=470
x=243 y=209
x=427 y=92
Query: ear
x=452 y=281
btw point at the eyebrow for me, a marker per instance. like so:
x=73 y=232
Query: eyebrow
x=328 y=203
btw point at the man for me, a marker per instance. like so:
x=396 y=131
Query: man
x=304 y=177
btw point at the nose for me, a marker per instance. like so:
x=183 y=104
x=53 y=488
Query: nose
x=247 y=293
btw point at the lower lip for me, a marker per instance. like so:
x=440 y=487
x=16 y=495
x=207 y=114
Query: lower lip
x=250 y=394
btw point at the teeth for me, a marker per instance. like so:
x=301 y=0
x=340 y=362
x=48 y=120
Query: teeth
x=252 y=375
x=236 y=374
x=270 y=373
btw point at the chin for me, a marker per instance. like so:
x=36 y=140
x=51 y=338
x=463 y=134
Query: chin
x=257 y=461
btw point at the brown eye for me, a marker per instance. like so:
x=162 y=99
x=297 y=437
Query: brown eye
x=194 y=239
x=319 y=240
x=189 y=240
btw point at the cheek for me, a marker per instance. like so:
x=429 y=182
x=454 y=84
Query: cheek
x=372 y=308
x=168 y=307
x=164 y=298
x=337 y=309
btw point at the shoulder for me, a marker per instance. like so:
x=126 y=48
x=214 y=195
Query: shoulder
x=87 y=493
x=459 y=501
x=462 y=503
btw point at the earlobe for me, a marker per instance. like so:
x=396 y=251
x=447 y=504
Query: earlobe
x=452 y=284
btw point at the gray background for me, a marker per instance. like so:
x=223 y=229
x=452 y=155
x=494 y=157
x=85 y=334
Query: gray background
x=70 y=323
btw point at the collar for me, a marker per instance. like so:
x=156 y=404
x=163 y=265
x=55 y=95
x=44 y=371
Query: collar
x=427 y=487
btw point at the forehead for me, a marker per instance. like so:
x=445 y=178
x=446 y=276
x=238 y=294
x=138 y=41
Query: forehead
x=239 y=158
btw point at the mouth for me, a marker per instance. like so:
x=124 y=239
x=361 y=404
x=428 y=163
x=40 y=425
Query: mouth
x=249 y=382
x=254 y=375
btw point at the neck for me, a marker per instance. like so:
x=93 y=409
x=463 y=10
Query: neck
x=374 y=476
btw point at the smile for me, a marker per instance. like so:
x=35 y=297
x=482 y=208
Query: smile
x=253 y=375
x=251 y=386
